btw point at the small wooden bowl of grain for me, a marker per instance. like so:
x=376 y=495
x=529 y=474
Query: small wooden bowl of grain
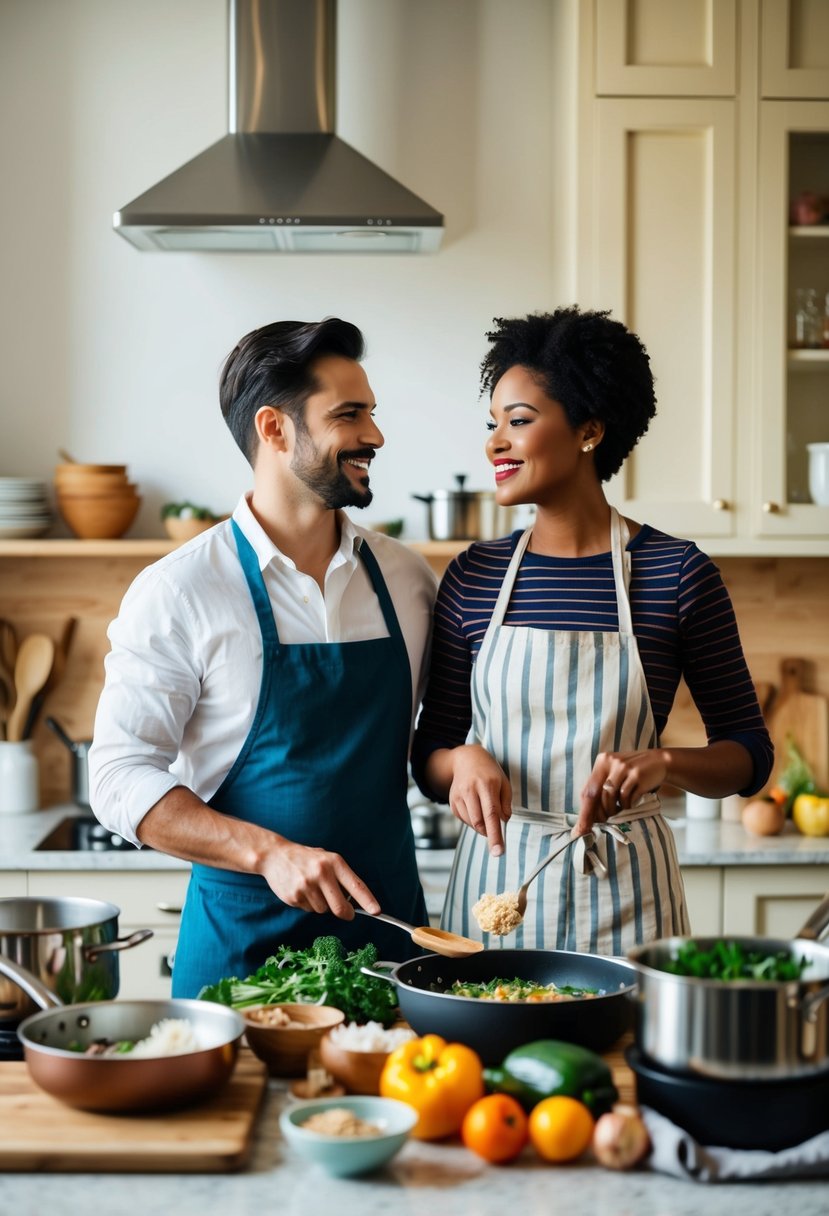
x=283 y=1035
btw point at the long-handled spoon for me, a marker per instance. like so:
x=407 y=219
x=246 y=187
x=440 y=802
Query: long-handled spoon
x=438 y=941
x=31 y=671
x=589 y=841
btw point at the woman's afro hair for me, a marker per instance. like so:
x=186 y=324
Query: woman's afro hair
x=593 y=366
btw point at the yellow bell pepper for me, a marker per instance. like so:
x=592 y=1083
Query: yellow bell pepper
x=440 y=1080
x=811 y=814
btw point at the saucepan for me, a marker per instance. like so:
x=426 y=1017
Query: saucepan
x=54 y=1042
x=70 y=945
x=737 y=1029
x=493 y=1028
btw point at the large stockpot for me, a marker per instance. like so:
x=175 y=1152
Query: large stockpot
x=119 y=1083
x=736 y=1029
x=70 y=945
x=494 y=1028
x=461 y=514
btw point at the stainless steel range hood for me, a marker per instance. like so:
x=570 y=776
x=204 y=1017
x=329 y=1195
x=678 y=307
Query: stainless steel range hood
x=281 y=181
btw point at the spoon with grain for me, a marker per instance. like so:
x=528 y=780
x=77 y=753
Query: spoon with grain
x=32 y=668
x=438 y=941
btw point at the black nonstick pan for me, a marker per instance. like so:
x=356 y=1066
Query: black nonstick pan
x=493 y=1028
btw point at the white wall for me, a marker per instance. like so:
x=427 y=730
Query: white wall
x=114 y=354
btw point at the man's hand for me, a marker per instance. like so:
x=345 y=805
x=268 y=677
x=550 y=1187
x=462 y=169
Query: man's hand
x=315 y=880
x=480 y=794
x=618 y=780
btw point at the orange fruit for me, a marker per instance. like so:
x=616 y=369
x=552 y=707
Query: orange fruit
x=495 y=1128
x=560 y=1128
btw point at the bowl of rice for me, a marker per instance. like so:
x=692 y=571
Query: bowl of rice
x=282 y=1036
x=355 y=1055
x=349 y=1135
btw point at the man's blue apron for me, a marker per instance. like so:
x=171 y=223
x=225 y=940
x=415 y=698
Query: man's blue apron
x=324 y=764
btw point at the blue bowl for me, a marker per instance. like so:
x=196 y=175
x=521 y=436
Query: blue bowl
x=345 y=1156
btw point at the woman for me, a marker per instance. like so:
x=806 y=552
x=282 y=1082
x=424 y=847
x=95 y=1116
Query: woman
x=557 y=654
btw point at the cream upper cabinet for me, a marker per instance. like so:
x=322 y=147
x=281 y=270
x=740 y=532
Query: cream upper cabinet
x=683 y=232
x=666 y=48
x=771 y=901
x=795 y=48
x=664 y=210
x=793 y=381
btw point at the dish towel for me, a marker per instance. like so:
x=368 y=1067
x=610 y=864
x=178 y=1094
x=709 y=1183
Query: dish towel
x=677 y=1153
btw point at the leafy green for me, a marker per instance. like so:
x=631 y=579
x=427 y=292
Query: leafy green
x=797 y=777
x=325 y=974
x=185 y=510
x=729 y=961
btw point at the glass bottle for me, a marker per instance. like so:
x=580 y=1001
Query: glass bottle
x=808 y=324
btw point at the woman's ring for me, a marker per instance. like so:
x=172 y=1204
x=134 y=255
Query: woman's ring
x=607 y=786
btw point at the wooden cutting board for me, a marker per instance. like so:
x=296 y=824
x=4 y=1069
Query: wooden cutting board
x=39 y=1133
x=804 y=716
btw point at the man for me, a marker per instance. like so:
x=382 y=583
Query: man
x=263 y=679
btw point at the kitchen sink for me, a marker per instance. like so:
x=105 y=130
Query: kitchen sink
x=81 y=833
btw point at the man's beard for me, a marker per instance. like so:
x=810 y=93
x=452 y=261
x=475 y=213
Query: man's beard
x=322 y=474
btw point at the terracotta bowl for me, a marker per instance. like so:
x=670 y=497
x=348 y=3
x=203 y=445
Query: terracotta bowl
x=85 y=470
x=285 y=1048
x=358 y=1071
x=99 y=518
x=126 y=489
x=186 y=529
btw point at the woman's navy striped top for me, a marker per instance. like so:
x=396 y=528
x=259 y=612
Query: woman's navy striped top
x=682 y=618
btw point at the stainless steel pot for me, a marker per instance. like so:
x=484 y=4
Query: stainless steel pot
x=119 y=1083
x=69 y=945
x=743 y=1029
x=461 y=514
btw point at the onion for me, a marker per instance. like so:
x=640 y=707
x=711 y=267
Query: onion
x=620 y=1138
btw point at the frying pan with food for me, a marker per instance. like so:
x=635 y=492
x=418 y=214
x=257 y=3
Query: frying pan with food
x=493 y=1028
x=55 y=1039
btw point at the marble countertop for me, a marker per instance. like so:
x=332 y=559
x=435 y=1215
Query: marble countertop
x=700 y=842
x=423 y=1179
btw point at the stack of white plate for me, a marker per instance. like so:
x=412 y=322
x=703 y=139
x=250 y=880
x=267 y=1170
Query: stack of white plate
x=24 y=507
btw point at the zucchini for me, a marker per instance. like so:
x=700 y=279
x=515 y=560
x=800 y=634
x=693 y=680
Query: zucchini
x=547 y=1067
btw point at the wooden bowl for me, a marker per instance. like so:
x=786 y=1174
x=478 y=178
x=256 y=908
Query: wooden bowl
x=285 y=1048
x=98 y=518
x=358 y=1071
x=126 y=489
x=186 y=529
x=63 y=471
x=80 y=483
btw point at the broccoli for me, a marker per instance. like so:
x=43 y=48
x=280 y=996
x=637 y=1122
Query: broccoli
x=325 y=974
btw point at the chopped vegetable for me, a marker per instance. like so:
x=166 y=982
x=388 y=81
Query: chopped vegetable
x=324 y=974
x=520 y=990
x=729 y=961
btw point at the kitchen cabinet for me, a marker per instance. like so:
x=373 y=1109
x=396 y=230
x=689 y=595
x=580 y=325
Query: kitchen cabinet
x=12 y=883
x=774 y=904
x=793 y=383
x=148 y=900
x=680 y=47
x=704 y=896
x=795 y=50
x=685 y=174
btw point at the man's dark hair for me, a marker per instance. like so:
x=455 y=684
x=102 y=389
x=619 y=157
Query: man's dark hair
x=593 y=366
x=272 y=366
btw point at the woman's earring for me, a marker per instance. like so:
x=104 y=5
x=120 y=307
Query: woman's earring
x=588 y=447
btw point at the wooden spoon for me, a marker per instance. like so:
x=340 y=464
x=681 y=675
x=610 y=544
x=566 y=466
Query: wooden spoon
x=438 y=941
x=31 y=671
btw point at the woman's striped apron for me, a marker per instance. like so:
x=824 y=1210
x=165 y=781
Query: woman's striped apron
x=545 y=703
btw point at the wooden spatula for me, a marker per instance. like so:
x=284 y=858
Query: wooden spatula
x=802 y=715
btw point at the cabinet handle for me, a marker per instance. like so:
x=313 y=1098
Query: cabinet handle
x=172 y=909
x=771 y=508
x=721 y=504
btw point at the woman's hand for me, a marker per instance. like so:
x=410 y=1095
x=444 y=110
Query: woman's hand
x=618 y=780
x=480 y=793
